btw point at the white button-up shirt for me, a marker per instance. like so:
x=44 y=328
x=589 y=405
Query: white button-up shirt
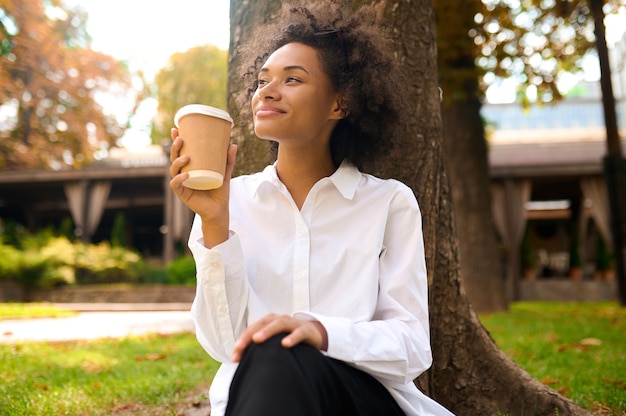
x=352 y=258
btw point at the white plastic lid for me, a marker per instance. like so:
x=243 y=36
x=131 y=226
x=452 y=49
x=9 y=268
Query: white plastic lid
x=201 y=109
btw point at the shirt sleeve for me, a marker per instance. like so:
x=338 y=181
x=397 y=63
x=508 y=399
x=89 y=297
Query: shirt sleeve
x=395 y=344
x=219 y=309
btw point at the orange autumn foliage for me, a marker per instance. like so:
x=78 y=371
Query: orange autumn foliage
x=50 y=82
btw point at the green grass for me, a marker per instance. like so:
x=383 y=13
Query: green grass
x=578 y=349
x=32 y=310
x=150 y=375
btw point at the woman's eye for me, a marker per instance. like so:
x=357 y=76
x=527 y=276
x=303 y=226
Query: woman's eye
x=261 y=82
x=292 y=79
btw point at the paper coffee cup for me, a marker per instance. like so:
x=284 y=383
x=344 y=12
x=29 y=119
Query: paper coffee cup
x=206 y=135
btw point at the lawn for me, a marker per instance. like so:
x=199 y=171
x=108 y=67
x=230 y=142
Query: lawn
x=32 y=310
x=149 y=375
x=577 y=349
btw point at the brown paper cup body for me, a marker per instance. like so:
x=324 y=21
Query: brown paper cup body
x=205 y=141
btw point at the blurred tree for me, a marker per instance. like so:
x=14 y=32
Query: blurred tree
x=466 y=150
x=535 y=42
x=196 y=76
x=614 y=161
x=51 y=86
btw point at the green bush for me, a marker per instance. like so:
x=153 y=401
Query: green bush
x=182 y=271
x=101 y=263
x=12 y=232
x=118 y=233
x=155 y=275
x=604 y=258
x=9 y=258
x=574 y=250
x=44 y=261
x=66 y=229
x=31 y=269
x=37 y=240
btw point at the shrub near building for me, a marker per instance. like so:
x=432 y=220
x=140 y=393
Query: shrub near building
x=44 y=261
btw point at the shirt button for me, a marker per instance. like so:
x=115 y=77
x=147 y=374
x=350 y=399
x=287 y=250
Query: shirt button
x=223 y=310
x=214 y=265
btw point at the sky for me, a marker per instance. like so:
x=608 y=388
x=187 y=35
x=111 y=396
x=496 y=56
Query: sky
x=145 y=33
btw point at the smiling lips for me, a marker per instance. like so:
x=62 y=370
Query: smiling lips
x=265 y=111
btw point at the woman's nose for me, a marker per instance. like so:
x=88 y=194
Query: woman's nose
x=269 y=91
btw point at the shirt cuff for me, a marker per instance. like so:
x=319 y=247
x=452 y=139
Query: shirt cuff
x=226 y=255
x=338 y=330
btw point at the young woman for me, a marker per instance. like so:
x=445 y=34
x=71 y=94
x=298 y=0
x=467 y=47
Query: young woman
x=312 y=285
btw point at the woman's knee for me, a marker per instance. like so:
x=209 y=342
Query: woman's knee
x=273 y=351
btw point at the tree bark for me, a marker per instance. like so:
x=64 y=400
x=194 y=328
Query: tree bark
x=245 y=15
x=614 y=163
x=470 y=375
x=466 y=152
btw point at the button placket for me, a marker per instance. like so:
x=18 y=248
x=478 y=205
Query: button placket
x=301 y=264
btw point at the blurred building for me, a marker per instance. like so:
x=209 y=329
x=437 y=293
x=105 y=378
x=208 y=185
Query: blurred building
x=134 y=185
x=550 y=201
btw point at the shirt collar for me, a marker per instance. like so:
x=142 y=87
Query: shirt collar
x=346 y=179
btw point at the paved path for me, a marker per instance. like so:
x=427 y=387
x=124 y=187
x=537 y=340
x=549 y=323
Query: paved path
x=100 y=321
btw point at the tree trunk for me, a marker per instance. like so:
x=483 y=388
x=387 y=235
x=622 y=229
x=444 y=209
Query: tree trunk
x=470 y=375
x=614 y=162
x=468 y=167
x=466 y=151
x=245 y=15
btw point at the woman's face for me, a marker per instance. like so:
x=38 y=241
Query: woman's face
x=294 y=101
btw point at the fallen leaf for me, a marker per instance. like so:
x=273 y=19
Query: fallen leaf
x=547 y=380
x=155 y=357
x=150 y=357
x=601 y=410
x=574 y=346
x=563 y=390
x=127 y=406
x=552 y=337
x=620 y=384
x=590 y=341
x=582 y=345
x=90 y=367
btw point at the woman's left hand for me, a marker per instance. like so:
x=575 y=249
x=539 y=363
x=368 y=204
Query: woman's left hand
x=309 y=332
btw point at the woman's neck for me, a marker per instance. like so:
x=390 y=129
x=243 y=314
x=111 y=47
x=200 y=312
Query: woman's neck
x=300 y=171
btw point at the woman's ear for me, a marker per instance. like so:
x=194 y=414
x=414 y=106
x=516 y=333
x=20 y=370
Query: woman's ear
x=341 y=110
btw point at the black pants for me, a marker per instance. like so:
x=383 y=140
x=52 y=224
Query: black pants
x=275 y=381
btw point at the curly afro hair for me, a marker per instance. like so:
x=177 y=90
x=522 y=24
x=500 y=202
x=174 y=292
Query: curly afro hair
x=358 y=58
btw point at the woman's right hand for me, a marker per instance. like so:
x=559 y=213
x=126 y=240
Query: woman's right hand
x=211 y=205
